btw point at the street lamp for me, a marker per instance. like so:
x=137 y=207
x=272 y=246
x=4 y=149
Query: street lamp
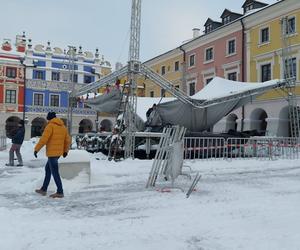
x=25 y=86
x=71 y=93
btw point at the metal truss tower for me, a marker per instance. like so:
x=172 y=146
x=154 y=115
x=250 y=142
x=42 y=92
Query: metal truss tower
x=134 y=66
x=289 y=73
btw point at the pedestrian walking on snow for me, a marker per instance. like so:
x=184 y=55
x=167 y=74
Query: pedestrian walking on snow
x=57 y=141
x=17 y=140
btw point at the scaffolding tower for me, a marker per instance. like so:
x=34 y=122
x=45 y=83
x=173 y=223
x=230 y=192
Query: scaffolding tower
x=289 y=73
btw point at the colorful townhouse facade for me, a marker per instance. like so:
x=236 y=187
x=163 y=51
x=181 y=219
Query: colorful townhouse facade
x=266 y=49
x=232 y=48
x=11 y=82
x=51 y=75
x=216 y=53
x=170 y=66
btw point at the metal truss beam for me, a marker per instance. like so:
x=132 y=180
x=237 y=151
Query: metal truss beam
x=106 y=80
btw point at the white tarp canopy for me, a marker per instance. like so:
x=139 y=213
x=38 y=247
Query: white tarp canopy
x=212 y=103
x=220 y=87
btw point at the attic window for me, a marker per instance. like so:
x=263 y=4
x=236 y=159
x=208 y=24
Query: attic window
x=209 y=27
x=226 y=19
x=249 y=7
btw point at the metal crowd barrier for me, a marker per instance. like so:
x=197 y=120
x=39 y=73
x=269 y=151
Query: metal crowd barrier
x=211 y=148
x=246 y=148
x=204 y=147
x=2 y=143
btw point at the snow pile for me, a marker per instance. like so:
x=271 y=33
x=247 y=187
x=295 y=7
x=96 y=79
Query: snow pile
x=76 y=156
x=242 y=204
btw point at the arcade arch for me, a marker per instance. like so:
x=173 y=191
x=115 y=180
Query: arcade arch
x=85 y=126
x=258 y=121
x=106 y=125
x=37 y=126
x=11 y=125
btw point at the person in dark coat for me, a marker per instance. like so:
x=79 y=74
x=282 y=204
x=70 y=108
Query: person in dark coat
x=17 y=140
x=154 y=121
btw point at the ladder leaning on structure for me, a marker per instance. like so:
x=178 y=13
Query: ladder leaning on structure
x=289 y=73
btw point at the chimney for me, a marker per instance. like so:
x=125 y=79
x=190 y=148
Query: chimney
x=196 y=32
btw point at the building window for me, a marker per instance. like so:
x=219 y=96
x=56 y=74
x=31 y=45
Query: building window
x=208 y=80
x=266 y=72
x=227 y=19
x=65 y=77
x=39 y=74
x=87 y=79
x=192 y=60
x=11 y=72
x=163 y=70
x=231 y=47
x=291 y=25
x=10 y=96
x=54 y=100
x=176 y=66
x=290 y=68
x=192 y=88
x=264 y=35
x=177 y=87
x=232 y=76
x=38 y=99
x=249 y=7
x=55 y=76
x=163 y=93
x=209 y=54
x=75 y=78
x=209 y=28
x=151 y=93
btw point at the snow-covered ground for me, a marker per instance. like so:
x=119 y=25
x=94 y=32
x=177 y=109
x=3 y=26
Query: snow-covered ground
x=242 y=204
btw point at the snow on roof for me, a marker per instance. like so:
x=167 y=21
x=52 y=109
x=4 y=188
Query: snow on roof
x=220 y=87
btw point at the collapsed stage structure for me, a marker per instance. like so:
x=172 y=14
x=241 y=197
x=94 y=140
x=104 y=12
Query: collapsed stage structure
x=196 y=113
x=204 y=109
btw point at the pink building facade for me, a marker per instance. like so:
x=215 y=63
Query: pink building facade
x=217 y=53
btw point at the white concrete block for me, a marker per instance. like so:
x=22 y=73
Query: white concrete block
x=76 y=162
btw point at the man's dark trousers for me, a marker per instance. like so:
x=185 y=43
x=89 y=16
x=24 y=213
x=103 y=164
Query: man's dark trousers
x=52 y=168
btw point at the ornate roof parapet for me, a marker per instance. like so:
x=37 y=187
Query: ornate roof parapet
x=97 y=57
x=80 y=55
x=6 y=45
x=48 y=50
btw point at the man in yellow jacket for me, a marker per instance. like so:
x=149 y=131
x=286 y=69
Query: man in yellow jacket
x=57 y=141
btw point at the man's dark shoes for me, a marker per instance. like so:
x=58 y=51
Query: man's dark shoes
x=20 y=165
x=56 y=195
x=8 y=165
x=41 y=192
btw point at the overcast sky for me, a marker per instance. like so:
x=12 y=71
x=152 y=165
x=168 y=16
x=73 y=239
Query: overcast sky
x=105 y=23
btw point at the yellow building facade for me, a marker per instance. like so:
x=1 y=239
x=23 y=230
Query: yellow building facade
x=170 y=66
x=264 y=45
x=265 y=42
